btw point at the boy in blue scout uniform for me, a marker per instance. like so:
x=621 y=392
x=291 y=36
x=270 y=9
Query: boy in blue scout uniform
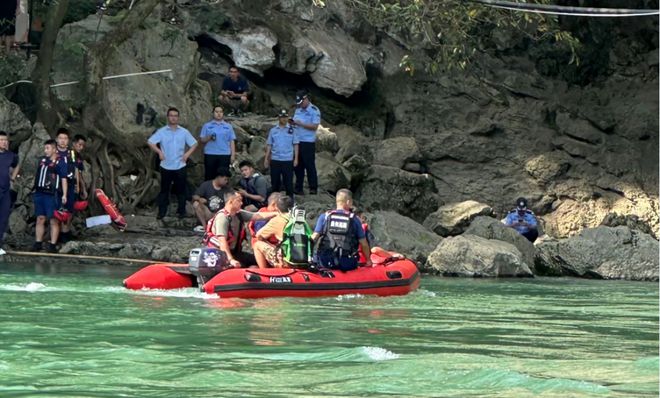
x=523 y=220
x=220 y=144
x=306 y=120
x=282 y=154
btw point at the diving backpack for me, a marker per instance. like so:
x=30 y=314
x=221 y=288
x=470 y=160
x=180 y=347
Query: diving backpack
x=296 y=243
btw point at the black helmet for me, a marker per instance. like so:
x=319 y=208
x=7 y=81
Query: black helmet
x=521 y=203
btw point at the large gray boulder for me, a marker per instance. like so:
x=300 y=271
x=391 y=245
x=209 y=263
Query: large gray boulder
x=454 y=218
x=474 y=256
x=350 y=141
x=396 y=152
x=169 y=249
x=251 y=48
x=490 y=228
x=602 y=252
x=162 y=46
x=332 y=58
x=326 y=140
x=402 y=234
x=332 y=176
x=13 y=121
x=390 y=188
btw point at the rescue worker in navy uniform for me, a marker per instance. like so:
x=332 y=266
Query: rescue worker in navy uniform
x=68 y=158
x=523 y=220
x=340 y=235
x=306 y=120
x=51 y=192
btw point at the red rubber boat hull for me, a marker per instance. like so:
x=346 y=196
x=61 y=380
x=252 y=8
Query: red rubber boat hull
x=161 y=276
x=392 y=277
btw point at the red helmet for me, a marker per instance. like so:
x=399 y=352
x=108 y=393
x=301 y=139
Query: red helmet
x=80 y=205
x=62 y=215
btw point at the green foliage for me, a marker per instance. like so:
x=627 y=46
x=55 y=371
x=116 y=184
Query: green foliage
x=11 y=68
x=449 y=32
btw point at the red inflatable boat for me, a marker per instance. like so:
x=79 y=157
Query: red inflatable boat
x=389 y=276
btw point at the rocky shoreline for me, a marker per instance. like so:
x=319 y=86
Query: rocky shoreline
x=435 y=161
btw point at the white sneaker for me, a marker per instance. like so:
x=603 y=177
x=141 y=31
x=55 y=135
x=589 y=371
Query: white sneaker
x=199 y=229
x=2 y=252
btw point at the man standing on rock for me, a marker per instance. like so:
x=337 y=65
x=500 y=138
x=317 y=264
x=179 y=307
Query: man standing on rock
x=67 y=157
x=173 y=140
x=220 y=148
x=8 y=173
x=282 y=154
x=306 y=120
x=523 y=220
x=235 y=93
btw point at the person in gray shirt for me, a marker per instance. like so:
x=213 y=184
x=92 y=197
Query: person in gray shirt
x=209 y=198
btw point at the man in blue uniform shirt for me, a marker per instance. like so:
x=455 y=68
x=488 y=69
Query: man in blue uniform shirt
x=523 y=220
x=173 y=140
x=306 y=120
x=220 y=148
x=235 y=92
x=282 y=154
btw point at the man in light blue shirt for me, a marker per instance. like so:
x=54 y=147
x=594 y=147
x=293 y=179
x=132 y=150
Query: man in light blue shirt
x=282 y=154
x=220 y=148
x=306 y=120
x=173 y=140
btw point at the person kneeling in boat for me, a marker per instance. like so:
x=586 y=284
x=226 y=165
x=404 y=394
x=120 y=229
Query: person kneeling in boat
x=523 y=220
x=340 y=235
x=270 y=236
x=226 y=230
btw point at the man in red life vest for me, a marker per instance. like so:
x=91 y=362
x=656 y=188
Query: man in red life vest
x=226 y=230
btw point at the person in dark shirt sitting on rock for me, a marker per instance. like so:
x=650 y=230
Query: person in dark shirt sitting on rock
x=254 y=187
x=209 y=198
x=235 y=92
x=523 y=220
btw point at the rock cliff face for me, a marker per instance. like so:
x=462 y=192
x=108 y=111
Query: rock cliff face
x=583 y=150
x=503 y=129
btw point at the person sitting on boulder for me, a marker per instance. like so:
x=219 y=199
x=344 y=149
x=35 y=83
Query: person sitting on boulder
x=235 y=92
x=210 y=197
x=523 y=220
x=339 y=234
x=269 y=237
x=226 y=231
x=254 y=187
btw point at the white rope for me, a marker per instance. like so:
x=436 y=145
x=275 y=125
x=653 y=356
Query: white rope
x=137 y=74
x=567 y=10
x=576 y=14
x=104 y=78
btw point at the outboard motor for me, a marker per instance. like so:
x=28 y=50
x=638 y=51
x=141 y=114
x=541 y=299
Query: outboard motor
x=206 y=262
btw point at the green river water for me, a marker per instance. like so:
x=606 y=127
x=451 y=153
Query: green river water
x=73 y=331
